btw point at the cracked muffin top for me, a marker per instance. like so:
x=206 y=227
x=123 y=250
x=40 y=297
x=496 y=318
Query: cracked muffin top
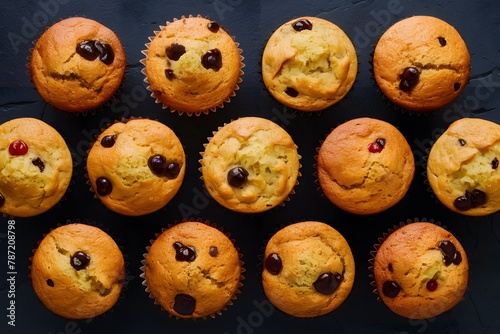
x=250 y=165
x=136 y=167
x=77 y=64
x=420 y=270
x=421 y=63
x=309 y=64
x=193 y=65
x=35 y=167
x=365 y=166
x=193 y=270
x=308 y=269
x=78 y=271
x=462 y=167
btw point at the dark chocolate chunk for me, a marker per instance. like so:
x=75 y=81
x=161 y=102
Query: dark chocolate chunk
x=291 y=92
x=169 y=73
x=327 y=283
x=94 y=49
x=273 y=263
x=442 y=41
x=175 y=51
x=462 y=142
x=39 y=163
x=456 y=86
x=213 y=26
x=184 y=253
x=184 y=304
x=103 y=185
x=212 y=59
x=409 y=78
x=80 y=260
x=391 y=289
x=463 y=203
x=161 y=167
x=450 y=253
x=302 y=24
x=108 y=141
x=237 y=176
x=478 y=197
x=213 y=251
x=494 y=163
x=50 y=283
x=87 y=50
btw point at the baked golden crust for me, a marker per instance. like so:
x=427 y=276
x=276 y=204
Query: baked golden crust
x=357 y=180
x=84 y=293
x=212 y=278
x=136 y=190
x=28 y=190
x=463 y=160
x=193 y=88
x=262 y=148
x=411 y=257
x=308 y=250
x=65 y=79
x=320 y=64
x=433 y=47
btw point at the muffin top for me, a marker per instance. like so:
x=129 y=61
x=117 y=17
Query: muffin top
x=193 y=65
x=193 y=270
x=136 y=167
x=35 y=167
x=462 y=167
x=250 y=165
x=421 y=63
x=308 y=269
x=77 y=271
x=421 y=271
x=309 y=64
x=380 y=171
x=77 y=64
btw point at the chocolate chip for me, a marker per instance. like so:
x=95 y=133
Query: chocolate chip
x=390 y=268
x=169 y=73
x=50 y=283
x=93 y=49
x=108 y=141
x=494 y=163
x=291 y=92
x=273 y=263
x=462 y=203
x=212 y=59
x=87 y=50
x=159 y=165
x=442 y=41
x=462 y=142
x=409 y=78
x=456 y=86
x=450 y=253
x=80 y=260
x=2 y=200
x=213 y=26
x=103 y=185
x=302 y=24
x=184 y=304
x=175 y=51
x=237 y=176
x=184 y=253
x=390 y=289
x=478 y=197
x=106 y=54
x=213 y=251
x=39 y=163
x=327 y=283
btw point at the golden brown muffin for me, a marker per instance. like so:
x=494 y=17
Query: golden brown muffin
x=35 y=167
x=78 y=271
x=421 y=63
x=421 y=271
x=250 y=165
x=365 y=166
x=77 y=64
x=309 y=64
x=193 y=270
x=136 y=167
x=193 y=65
x=462 y=167
x=308 y=269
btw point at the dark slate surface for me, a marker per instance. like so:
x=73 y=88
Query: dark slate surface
x=252 y=22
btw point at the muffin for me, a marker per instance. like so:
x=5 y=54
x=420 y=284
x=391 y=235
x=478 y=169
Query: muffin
x=77 y=64
x=35 y=167
x=421 y=63
x=462 y=167
x=136 y=167
x=308 y=269
x=380 y=166
x=78 y=271
x=309 y=64
x=192 y=65
x=250 y=165
x=192 y=270
x=420 y=271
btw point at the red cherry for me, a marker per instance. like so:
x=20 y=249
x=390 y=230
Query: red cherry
x=377 y=146
x=432 y=285
x=18 y=147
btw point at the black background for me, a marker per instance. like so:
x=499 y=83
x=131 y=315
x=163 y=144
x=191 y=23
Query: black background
x=252 y=22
